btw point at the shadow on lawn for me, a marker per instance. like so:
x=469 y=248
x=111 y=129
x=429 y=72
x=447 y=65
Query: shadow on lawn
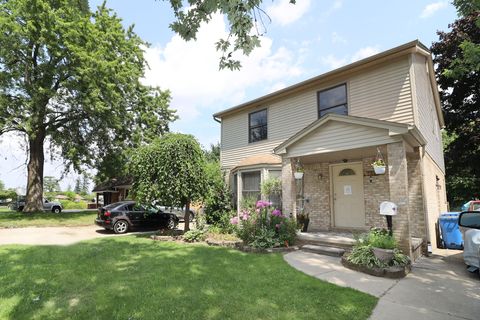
x=49 y=216
x=136 y=278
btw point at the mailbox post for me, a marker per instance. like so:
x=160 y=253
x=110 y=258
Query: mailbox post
x=388 y=209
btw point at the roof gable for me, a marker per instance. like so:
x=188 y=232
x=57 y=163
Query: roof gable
x=336 y=132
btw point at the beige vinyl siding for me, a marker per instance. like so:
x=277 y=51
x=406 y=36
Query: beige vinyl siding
x=427 y=121
x=285 y=118
x=338 y=136
x=434 y=197
x=380 y=93
x=383 y=93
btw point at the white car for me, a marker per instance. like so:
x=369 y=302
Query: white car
x=470 y=220
x=52 y=206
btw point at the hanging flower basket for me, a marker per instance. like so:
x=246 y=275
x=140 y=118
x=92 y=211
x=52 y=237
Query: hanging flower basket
x=379 y=169
x=379 y=165
x=298 y=175
x=298 y=170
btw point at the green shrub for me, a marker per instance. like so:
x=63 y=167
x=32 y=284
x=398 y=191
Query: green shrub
x=224 y=223
x=194 y=235
x=380 y=238
x=264 y=238
x=218 y=199
x=67 y=204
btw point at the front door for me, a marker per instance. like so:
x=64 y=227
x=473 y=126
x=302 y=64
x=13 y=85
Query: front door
x=348 y=196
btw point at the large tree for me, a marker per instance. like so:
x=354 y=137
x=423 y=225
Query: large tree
x=170 y=171
x=245 y=18
x=71 y=77
x=457 y=58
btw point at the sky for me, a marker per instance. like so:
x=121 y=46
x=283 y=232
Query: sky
x=301 y=41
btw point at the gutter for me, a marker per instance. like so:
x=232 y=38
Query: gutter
x=216 y=119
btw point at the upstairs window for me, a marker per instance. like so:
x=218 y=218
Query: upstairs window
x=333 y=100
x=257 y=126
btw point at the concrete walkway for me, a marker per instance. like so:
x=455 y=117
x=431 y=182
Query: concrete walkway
x=438 y=287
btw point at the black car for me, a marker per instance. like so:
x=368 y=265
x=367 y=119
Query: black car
x=125 y=215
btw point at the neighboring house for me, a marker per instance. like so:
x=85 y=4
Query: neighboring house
x=333 y=126
x=114 y=190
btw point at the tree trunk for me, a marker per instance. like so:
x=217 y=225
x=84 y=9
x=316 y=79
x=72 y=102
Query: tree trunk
x=34 y=199
x=187 y=217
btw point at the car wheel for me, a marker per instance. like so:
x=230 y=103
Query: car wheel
x=56 y=210
x=172 y=223
x=20 y=208
x=120 y=227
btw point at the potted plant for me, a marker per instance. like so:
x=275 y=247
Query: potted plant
x=383 y=245
x=303 y=220
x=379 y=166
x=298 y=173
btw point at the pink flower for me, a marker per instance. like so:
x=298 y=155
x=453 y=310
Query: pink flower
x=263 y=204
x=277 y=225
x=245 y=216
x=277 y=213
x=234 y=220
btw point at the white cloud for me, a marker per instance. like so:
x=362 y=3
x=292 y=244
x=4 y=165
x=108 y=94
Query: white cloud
x=431 y=8
x=336 y=38
x=190 y=71
x=364 y=53
x=334 y=62
x=284 y=13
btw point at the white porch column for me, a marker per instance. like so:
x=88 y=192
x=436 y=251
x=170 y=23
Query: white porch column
x=239 y=191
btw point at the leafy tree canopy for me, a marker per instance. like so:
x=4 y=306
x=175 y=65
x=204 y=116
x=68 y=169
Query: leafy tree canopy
x=169 y=171
x=71 y=76
x=246 y=21
x=50 y=184
x=457 y=57
x=2 y=185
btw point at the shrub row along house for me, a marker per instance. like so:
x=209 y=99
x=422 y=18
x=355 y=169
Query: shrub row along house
x=334 y=126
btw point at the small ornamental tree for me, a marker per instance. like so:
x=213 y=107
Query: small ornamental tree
x=170 y=171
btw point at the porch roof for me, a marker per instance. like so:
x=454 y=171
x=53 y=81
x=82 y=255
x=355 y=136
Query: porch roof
x=335 y=132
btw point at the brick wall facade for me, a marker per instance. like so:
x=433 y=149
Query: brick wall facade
x=401 y=184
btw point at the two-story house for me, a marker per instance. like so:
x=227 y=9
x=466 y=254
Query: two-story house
x=334 y=126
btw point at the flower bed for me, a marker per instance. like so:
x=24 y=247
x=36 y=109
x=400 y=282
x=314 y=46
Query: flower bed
x=265 y=227
x=364 y=258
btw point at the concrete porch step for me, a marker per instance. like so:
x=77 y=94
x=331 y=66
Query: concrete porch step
x=324 y=250
x=327 y=239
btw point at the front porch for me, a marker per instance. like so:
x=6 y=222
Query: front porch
x=340 y=190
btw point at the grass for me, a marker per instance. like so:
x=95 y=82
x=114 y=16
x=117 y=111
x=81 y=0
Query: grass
x=137 y=278
x=14 y=219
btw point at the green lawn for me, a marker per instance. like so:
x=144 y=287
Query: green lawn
x=137 y=278
x=13 y=219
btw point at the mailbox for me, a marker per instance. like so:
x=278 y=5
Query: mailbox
x=388 y=208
